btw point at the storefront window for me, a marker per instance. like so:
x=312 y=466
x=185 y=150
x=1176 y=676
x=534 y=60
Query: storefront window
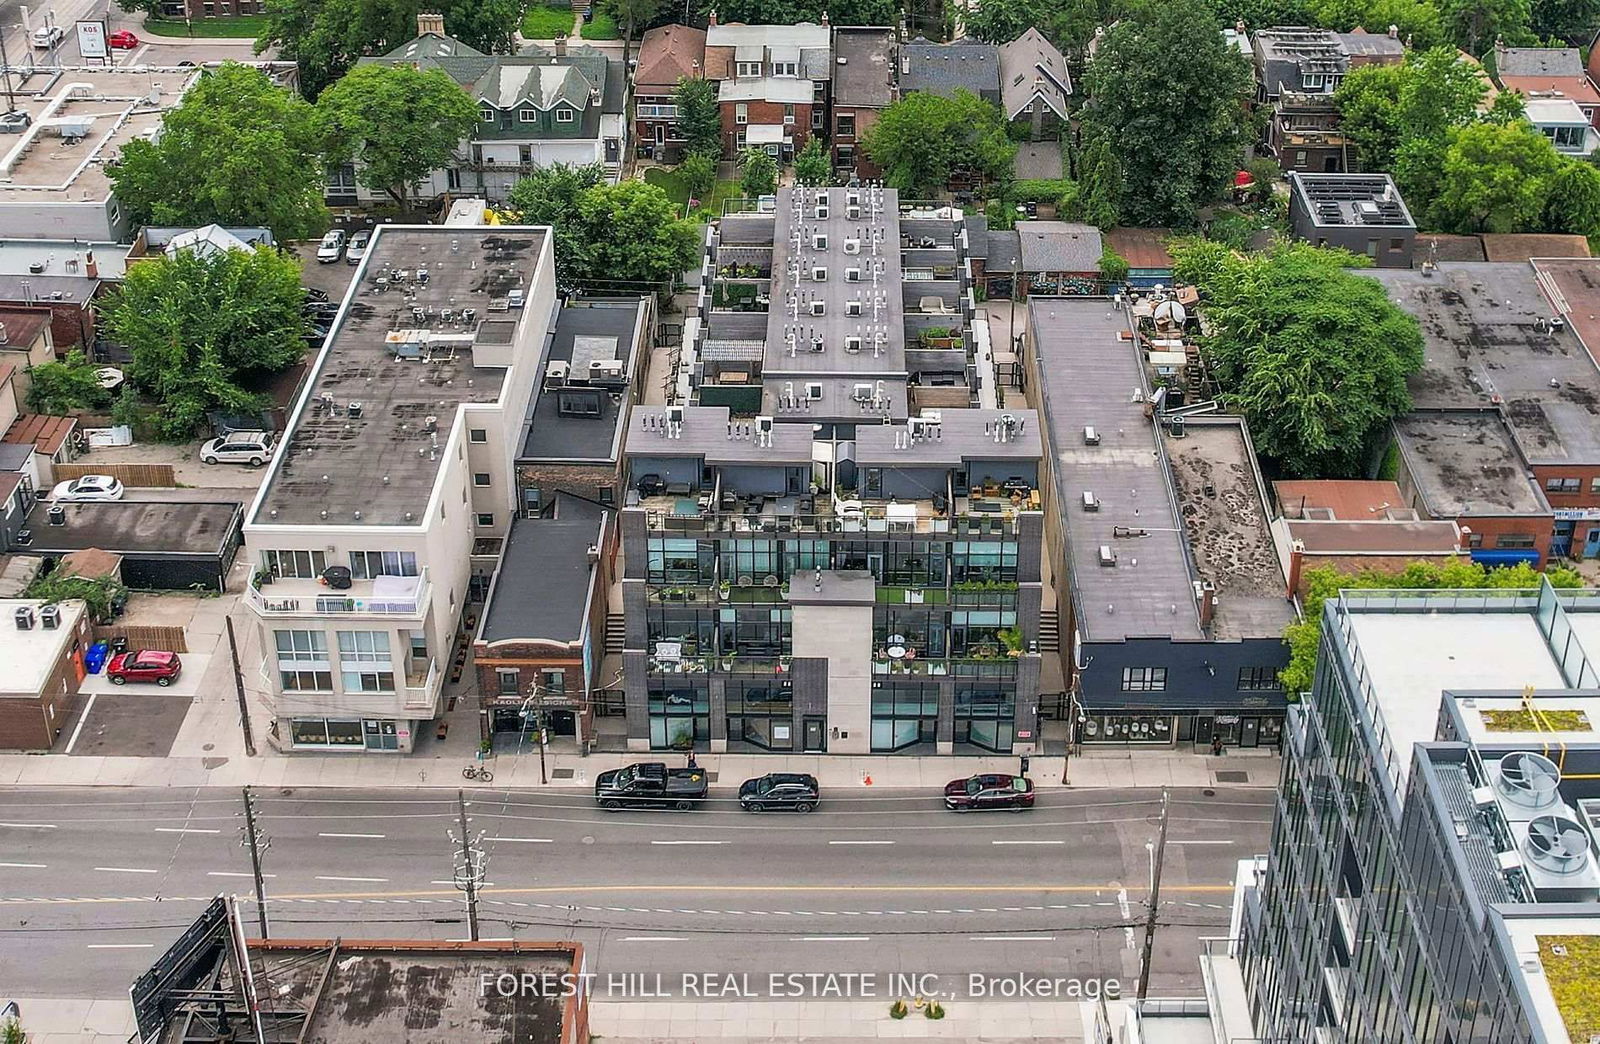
x=680 y=713
x=904 y=715
x=1126 y=728
x=761 y=712
x=985 y=716
x=324 y=732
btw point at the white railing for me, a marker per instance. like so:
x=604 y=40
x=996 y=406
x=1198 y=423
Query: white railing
x=295 y=597
x=423 y=696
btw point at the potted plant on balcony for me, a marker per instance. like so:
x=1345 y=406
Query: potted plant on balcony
x=1011 y=640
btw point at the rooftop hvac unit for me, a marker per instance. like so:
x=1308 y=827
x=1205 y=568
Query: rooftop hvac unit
x=764 y=425
x=1108 y=557
x=1528 y=781
x=819 y=274
x=819 y=242
x=822 y=215
x=1091 y=437
x=24 y=537
x=853 y=211
x=852 y=344
x=818 y=307
x=605 y=369
x=24 y=617
x=861 y=392
x=1090 y=501
x=852 y=275
x=813 y=391
x=852 y=246
x=50 y=617
x=675 y=414
x=822 y=197
x=556 y=371
x=852 y=308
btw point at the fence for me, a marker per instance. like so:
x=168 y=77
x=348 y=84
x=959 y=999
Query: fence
x=127 y=474
x=165 y=639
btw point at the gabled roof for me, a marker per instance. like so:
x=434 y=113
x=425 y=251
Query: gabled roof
x=1031 y=68
x=943 y=68
x=1059 y=246
x=1537 y=61
x=431 y=46
x=543 y=86
x=669 y=53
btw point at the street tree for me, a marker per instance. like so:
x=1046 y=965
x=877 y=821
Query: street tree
x=921 y=140
x=1169 y=134
x=1496 y=178
x=198 y=322
x=1475 y=25
x=630 y=16
x=758 y=173
x=550 y=196
x=1315 y=357
x=699 y=117
x=326 y=37
x=397 y=124
x=811 y=165
x=64 y=386
x=237 y=150
x=633 y=237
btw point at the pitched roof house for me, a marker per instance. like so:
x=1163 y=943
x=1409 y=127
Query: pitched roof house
x=773 y=83
x=1034 y=81
x=667 y=54
x=1548 y=73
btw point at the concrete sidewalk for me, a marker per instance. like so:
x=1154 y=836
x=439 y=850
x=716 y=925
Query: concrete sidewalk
x=1110 y=769
x=839 y=1022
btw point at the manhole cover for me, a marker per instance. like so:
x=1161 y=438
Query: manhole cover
x=562 y=773
x=1232 y=776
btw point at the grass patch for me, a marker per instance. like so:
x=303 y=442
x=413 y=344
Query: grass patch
x=670 y=182
x=1571 y=975
x=601 y=27
x=545 y=21
x=232 y=27
x=1546 y=721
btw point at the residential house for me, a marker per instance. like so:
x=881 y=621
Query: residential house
x=773 y=84
x=1297 y=71
x=667 y=55
x=1354 y=526
x=25 y=342
x=1547 y=72
x=1034 y=84
x=863 y=86
x=1059 y=257
x=1362 y=213
x=943 y=69
x=42 y=646
x=64 y=276
x=1564 y=122
x=535 y=108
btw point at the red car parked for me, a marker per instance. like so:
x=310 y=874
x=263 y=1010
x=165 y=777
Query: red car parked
x=145 y=665
x=123 y=40
x=989 y=791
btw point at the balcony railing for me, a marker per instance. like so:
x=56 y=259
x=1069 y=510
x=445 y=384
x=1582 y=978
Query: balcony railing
x=658 y=112
x=422 y=688
x=293 y=596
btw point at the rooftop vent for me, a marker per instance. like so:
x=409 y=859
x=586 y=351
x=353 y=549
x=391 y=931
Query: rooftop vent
x=1528 y=780
x=1108 y=557
x=1557 y=844
x=1090 y=501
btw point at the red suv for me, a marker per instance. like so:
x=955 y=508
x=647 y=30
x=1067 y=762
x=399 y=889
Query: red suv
x=123 y=40
x=990 y=790
x=145 y=665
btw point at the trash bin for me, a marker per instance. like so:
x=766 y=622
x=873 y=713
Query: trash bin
x=95 y=658
x=119 y=645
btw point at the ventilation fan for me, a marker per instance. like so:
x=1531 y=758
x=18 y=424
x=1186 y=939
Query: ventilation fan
x=1557 y=844
x=1528 y=779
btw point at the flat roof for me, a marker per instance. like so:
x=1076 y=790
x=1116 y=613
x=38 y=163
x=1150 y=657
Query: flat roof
x=544 y=580
x=62 y=261
x=1348 y=500
x=708 y=432
x=27 y=658
x=585 y=331
x=1575 y=283
x=1484 y=347
x=1226 y=522
x=862 y=73
x=1466 y=462
x=962 y=435
x=1367 y=200
x=384 y=463
x=1086 y=370
x=1376 y=537
x=1535 y=960
x=136 y=527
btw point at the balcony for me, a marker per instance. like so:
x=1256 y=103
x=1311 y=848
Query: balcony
x=657 y=112
x=422 y=688
x=387 y=596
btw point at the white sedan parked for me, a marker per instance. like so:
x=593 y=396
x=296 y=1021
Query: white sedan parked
x=87 y=488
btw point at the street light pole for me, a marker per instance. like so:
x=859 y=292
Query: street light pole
x=1158 y=858
x=254 y=840
x=470 y=869
x=536 y=692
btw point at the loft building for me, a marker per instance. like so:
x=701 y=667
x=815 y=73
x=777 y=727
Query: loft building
x=832 y=542
x=1433 y=875
x=1362 y=213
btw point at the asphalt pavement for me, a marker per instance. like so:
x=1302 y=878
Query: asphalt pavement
x=96 y=883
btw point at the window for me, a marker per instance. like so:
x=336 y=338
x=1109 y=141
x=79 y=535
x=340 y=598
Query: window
x=1594 y=484
x=745 y=69
x=1474 y=539
x=301 y=647
x=364 y=565
x=480 y=478
x=1313 y=81
x=1144 y=679
x=608 y=495
x=786 y=68
x=1520 y=541
x=1258 y=679
x=508 y=682
x=1563 y=485
x=903 y=715
x=419 y=646
x=485 y=520
x=788 y=115
x=364 y=647
x=553 y=682
x=565 y=116
x=486 y=114
x=528 y=115
x=368 y=681
x=319 y=732
x=741 y=114
x=477 y=435
x=847 y=125
x=306 y=681
x=307 y=565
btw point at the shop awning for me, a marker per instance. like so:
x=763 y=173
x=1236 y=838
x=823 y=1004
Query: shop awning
x=1505 y=557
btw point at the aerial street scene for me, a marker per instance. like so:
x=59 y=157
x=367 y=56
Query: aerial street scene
x=567 y=521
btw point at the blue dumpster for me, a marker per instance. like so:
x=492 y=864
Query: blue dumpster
x=95 y=658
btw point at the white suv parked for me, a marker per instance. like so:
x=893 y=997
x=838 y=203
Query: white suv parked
x=239 y=447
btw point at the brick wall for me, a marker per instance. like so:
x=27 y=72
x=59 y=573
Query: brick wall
x=761 y=112
x=589 y=481
x=1492 y=528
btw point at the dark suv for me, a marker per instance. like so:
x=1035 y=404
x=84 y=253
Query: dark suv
x=988 y=791
x=779 y=790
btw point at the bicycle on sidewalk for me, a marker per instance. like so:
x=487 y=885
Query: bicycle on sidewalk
x=480 y=773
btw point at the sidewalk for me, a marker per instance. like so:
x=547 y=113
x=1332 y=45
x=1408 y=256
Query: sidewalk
x=1110 y=769
x=839 y=1022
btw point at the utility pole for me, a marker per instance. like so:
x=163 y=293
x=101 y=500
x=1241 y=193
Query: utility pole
x=1155 y=899
x=470 y=866
x=536 y=692
x=256 y=841
x=238 y=688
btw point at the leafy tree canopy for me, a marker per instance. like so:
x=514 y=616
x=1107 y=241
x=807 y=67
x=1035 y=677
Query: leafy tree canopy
x=1418 y=20
x=759 y=175
x=196 y=322
x=699 y=172
x=625 y=237
x=235 y=151
x=1572 y=20
x=1315 y=358
x=1496 y=178
x=1304 y=637
x=790 y=12
x=550 y=196
x=699 y=118
x=920 y=140
x=1474 y=25
x=66 y=386
x=811 y=166
x=1162 y=137
x=1069 y=24
x=397 y=123
x=327 y=36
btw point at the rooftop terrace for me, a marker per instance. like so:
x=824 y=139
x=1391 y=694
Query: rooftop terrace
x=424 y=303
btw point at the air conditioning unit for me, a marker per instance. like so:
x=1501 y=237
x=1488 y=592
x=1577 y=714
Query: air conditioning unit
x=50 y=617
x=57 y=515
x=675 y=414
x=1108 y=557
x=822 y=215
x=852 y=246
x=813 y=392
x=764 y=425
x=556 y=372
x=1091 y=437
x=852 y=344
x=24 y=537
x=24 y=617
x=852 y=275
x=819 y=242
x=822 y=197
x=853 y=211
x=819 y=307
x=861 y=392
x=819 y=274
x=605 y=369
x=852 y=308
x=1090 y=501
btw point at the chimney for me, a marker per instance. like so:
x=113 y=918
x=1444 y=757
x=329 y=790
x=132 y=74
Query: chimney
x=561 y=45
x=430 y=24
x=1205 y=593
x=90 y=268
x=711 y=18
x=1394 y=32
x=825 y=18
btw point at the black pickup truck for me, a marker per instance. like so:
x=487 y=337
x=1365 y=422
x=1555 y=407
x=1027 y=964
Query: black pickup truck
x=651 y=785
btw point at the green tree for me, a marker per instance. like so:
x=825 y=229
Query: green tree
x=1304 y=638
x=1113 y=266
x=1417 y=20
x=1496 y=178
x=760 y=173
x=326 y=37
x=235 y=151
x=790 y=12
x=634 y=236
x=1573 y=199
x=630 y=16
x=1368 y=100
x=699 y=172
x=699 y=117
x=1172 y=132
x=550 y=196
x=1474 y=25
x=397 y=124
x=1315 y=358
x=811 y=165
x=198 y=321
x=921 y=140
x=66 y=386
x=1574 y=21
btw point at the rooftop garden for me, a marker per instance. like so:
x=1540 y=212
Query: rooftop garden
x=1572 y=967
x=1525 y=720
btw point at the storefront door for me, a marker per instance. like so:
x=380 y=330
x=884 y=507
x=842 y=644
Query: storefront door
x=1249 y=732
x=380 y=734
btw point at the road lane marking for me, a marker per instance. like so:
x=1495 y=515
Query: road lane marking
x=357 y=880
x=87 y=707
x=830 y=938
x=688 y=842
x=186 y=830
x=125 y=870
x=352 y=835
x=121 y=946
x=1027 y=842
x=30 y=826
x=860 y=842
x=653 y=938
x=1205 y=842
x=1012 y=938
x=233 y=873
x=525 y=840
x=25 y=866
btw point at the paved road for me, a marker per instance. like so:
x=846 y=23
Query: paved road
x=96 y=883
x=153 y=50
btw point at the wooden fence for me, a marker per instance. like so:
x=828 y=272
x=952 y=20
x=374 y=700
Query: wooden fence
x=128 y=474
x=165 y=639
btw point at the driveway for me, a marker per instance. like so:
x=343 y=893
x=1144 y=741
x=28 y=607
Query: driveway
x=188 y=683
